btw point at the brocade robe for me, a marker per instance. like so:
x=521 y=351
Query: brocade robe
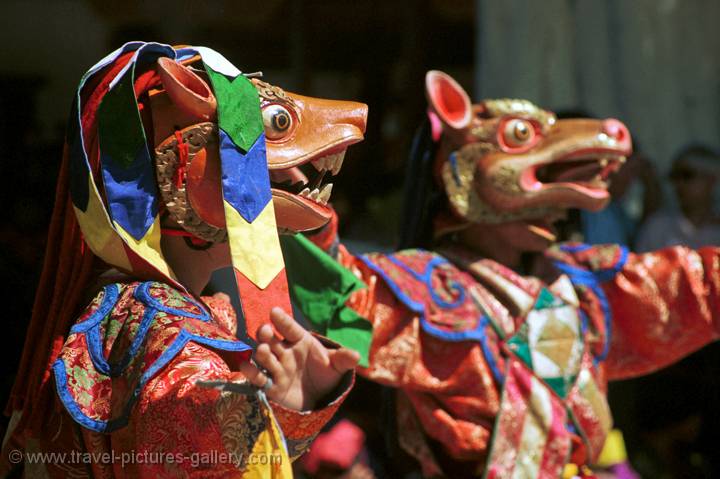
x=128 y=405
x=508 y=374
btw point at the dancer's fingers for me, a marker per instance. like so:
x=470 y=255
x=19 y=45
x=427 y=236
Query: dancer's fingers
x=253 y=374
x=287 y=326
x=267 y=360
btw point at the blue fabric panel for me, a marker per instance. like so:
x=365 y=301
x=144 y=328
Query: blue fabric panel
x=487 y=352
x=111 y=292
x=69 y=402
x=245 y=177
x=91 y=329
x=478 y=334
x=142 y=293
x=113 y=424
x=414 y=306
x=131 y=192
x=127 y=163
x=419 y=308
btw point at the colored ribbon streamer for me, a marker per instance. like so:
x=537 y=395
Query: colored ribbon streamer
x=320 y=287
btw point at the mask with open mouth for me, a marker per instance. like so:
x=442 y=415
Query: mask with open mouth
x=508 y=160
x=181 y=131
x=306 y=140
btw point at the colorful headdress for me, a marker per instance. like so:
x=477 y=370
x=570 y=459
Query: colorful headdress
x=108 y=203
x=121 y=224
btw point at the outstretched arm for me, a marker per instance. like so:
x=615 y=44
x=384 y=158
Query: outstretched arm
x=665 y=305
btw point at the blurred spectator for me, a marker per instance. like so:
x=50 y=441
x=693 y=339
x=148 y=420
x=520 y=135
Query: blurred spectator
x=616 y=224
x=694 y=174
x=674 y=425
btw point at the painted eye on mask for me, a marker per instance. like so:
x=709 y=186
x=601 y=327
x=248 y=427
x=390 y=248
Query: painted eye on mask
x=278 y=121
x=517 y=134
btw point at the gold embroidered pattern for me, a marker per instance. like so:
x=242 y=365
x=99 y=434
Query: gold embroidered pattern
x=241 y=421
x=271 y=93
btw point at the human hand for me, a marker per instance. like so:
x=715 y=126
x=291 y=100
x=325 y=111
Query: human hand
x=303 y=370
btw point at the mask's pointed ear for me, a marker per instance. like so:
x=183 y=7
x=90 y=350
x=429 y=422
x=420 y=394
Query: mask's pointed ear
x=188 y=91
x=448 y=100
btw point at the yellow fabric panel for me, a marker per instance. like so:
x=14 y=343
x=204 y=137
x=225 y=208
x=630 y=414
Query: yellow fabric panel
x=255 y=246
x=596 y=398
x=614 y=450
x=269 y=458
x=571 y=470
x=148 y=247
x=536 y=425
x=98 y=232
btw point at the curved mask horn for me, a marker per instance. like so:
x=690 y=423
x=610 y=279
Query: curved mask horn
x=188 y=91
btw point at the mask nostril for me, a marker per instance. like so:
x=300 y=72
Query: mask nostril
x=615 y=129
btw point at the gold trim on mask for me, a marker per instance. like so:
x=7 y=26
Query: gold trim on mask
x=459 y=187
x=523 y=108
x=197 y=137
x=272 y=93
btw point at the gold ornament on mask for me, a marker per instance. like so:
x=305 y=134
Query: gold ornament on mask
x=197 y=137
x=460 y=187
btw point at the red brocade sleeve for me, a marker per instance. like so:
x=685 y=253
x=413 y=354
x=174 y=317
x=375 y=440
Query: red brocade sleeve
x=208 y=433
x=665 y=305
x=130 y=404
x=446 y=390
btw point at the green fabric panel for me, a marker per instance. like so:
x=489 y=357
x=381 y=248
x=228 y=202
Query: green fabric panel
x=238 y=108
x=522 y=351
x=545 y=300
x=120 y=130
x=352 y=331
x=319 y=287
x=518 y=344
x=559 y=385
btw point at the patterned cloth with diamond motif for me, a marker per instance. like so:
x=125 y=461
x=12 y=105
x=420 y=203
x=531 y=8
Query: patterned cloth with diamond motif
x=508 y=374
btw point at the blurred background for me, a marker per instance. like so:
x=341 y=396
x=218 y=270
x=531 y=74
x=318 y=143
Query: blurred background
x=654 y=64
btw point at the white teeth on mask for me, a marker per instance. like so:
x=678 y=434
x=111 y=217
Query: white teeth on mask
x=604 y=162
x=319 y=164
x=311 y=195
x=331 y=163
x=338 y=163
x=325 y=194
x=317 y=195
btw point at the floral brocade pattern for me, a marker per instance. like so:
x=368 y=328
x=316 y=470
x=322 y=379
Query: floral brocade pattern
x=612 y=314
x=150 y=407
x=115 y=347
x=241 y=420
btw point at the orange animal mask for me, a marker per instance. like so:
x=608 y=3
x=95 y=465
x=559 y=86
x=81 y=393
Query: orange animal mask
x=505 y=160
x=183 y=131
